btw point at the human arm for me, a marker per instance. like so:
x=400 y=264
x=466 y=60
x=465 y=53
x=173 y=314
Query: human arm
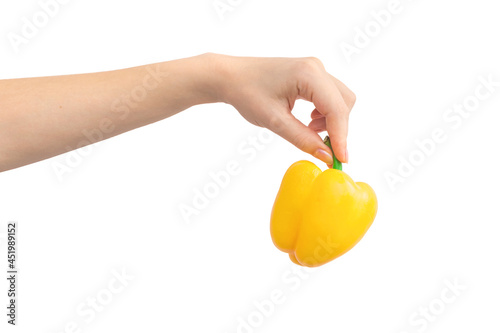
x=44 y=117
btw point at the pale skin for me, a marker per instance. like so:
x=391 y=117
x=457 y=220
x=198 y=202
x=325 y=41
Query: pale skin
x=44 y=117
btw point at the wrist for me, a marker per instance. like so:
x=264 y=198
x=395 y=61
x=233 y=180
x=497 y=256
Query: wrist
x=216 y=77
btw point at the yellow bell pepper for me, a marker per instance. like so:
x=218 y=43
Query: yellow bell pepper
x=319 y=216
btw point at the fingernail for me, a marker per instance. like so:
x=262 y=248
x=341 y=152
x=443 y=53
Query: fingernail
x=324 y=156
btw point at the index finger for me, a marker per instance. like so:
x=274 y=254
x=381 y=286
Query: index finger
x=328 y=100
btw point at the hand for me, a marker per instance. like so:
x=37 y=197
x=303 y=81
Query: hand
x=264 y=91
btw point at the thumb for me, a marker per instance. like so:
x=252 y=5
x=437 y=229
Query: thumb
x=301 y=136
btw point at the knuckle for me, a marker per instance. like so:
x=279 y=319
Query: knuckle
x=275 y=123
x=301 y=141
x=351 y=99
x=315 y=61
x=309 y=65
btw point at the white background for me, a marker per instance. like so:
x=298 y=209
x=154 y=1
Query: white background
x=119 y=208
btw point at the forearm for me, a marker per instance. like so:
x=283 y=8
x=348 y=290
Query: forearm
x=44 y=117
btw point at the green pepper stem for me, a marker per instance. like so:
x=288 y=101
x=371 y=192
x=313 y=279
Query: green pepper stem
x=336 y=163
